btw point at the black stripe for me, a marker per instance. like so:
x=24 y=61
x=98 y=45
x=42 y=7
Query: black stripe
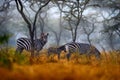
x=25 y=43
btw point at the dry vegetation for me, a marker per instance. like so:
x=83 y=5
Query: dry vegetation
x=22 y=67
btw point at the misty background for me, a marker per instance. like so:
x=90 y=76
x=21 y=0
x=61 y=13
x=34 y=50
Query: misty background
x=97 y=21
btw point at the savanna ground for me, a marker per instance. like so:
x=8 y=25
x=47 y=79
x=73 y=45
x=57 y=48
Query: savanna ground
x=22 y=67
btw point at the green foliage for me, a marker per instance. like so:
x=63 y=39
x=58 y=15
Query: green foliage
x=5 y=59
x=4 y=38
x=8 y=58
x=21 y=59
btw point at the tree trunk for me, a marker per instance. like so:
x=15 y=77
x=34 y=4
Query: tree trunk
x=32 y=43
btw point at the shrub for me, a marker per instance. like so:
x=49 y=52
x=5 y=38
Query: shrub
x=8 y=58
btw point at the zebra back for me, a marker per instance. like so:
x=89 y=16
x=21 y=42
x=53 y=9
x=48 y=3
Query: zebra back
x=24 y=43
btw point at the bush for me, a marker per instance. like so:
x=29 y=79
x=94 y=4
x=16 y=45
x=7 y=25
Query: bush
x=8 y=58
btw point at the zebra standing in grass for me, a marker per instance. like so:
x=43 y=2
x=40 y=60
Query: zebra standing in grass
x=80 y=48
x=25 y=43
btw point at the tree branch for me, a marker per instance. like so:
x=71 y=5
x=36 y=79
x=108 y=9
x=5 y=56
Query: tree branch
x=20 y=10
x=36 y=15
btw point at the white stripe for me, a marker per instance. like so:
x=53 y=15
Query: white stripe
x=67 y=49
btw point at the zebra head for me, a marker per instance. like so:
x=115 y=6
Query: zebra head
x=54 y=50
x=44 y=37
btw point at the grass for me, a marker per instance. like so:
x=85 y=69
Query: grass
x=22 y=67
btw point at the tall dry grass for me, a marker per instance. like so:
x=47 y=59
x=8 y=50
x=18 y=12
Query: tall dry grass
x=22 y=67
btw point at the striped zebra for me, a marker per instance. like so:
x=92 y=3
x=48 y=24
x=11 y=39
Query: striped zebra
x=25 y=43
x=80 y=48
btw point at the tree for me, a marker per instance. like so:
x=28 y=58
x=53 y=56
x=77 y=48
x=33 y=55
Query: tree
x=58 y=38
x=114 y=16
x=58 y=31
x=111 y=23
x=31 y=25
x=42 y=15
x=88 y=29
x=73 y=13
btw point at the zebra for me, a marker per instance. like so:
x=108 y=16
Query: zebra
x=25 y=43
x=53 y=50
x=81 y=48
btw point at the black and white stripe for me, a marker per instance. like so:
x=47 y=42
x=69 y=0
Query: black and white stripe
x=81 y=48
x=25 y=43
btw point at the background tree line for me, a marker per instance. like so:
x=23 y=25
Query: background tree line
x=91 y=21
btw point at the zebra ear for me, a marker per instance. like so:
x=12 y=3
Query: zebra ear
x=46 y=34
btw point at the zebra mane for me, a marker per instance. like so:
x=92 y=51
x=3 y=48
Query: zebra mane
x=37 y=41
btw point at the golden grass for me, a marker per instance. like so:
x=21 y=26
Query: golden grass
x=78 y=68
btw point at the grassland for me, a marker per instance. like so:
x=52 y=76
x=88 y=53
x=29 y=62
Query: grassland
x=22 y=67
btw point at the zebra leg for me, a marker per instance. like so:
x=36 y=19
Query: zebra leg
x=68 y=56
x=97 y=54
x=48 y=54
x=37 y=53
x=68 y=52
x=88 y=56
x=18 y=50
x=59 y=56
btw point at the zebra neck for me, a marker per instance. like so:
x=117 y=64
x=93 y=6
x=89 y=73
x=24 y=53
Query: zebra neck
x=42 y=42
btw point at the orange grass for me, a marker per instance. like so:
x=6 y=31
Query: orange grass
x=78 y=68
